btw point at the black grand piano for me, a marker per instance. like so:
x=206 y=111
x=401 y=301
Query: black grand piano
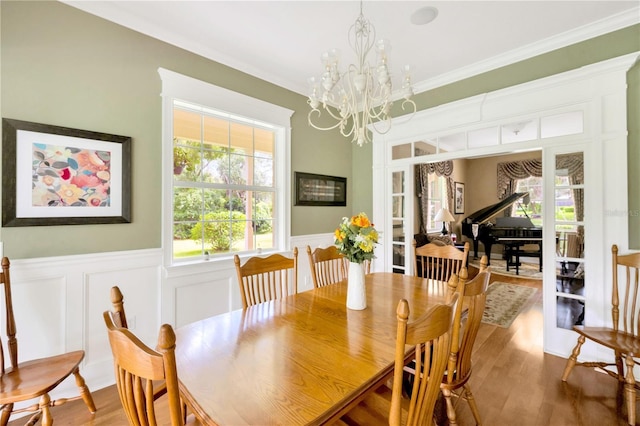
x=513 y=232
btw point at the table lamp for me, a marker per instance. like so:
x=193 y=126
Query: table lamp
x=445 y=216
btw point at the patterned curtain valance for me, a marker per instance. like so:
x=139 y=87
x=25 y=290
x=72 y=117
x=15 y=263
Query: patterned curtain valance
x=422 y=171
x=574 y=164
x=441 y=168
x=510 y=172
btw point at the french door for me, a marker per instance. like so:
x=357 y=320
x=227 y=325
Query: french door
x=400 y=186
x=567 y=237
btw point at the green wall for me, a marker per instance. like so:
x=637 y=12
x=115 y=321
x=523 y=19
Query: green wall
x=64 y=67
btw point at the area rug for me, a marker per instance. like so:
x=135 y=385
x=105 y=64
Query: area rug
x=504 y=302
x=499 y=266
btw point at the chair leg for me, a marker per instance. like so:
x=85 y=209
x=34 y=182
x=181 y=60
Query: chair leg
x=451 y=410
x=45 y=402
x=33 y=421
x=85 y=393
x=620 y=367
x=472 y=403
x=571 y=362
x=6 y=413
x=630 y=391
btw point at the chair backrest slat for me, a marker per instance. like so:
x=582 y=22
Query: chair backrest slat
x=438 y=262
x=137 y=367
x=266 y=278
x=431 y=336
x=12 y=341
x=473 y=296
x=327 y=266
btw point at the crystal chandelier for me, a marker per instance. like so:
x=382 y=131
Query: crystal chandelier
x=362 y=93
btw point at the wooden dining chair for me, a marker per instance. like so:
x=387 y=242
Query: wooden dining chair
x=466 y=323
x=266 y=278
x=137 y=367
x=484 y=263
x=438 y=262
x=118 y=314
x=366 y=265
x=36 y=378
x=327 y=266
x=119 y=319
x=623 y=337
x=430 y=334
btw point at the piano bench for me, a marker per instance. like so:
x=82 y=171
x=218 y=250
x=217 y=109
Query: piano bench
x=513 y=250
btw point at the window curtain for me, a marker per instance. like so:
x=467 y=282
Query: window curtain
x=422 y=171
x=510 y=172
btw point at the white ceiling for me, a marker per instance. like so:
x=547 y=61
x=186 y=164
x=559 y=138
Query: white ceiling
x=281 y=41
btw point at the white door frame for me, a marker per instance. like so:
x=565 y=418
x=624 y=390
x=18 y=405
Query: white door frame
x=599 y=91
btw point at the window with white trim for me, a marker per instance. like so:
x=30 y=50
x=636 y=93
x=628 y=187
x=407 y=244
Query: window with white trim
x=228 y=172
x=437 y=200
x=533 y=210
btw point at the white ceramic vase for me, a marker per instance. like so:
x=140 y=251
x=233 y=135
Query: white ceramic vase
x=356 y=291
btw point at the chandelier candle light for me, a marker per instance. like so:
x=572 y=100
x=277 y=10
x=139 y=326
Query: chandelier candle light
x=362 y=93
x=355 y=239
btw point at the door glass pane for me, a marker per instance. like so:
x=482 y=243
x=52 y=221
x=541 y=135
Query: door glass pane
x=399 y=152
x=570 y=312
x=569 y=233
x=397 y=182
x=398 y=231
x=399 y=244
x=398 y=206
x=398 y=258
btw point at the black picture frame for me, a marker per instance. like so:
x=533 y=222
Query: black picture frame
x=458 y=198
x=320 y=190
x=56 y=175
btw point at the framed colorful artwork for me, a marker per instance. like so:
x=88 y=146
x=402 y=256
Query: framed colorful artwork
x=60 y=176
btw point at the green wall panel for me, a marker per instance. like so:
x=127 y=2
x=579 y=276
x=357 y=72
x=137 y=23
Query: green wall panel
x=64 y=67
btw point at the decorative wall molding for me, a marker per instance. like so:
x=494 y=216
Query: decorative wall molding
x=59 y=301
x=599 y=92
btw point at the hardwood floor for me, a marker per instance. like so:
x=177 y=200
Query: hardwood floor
x=513 y=381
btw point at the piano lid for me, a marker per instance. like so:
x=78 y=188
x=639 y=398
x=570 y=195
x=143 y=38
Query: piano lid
x=487 y=213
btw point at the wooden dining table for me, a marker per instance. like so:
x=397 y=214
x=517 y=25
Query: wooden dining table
x=303 y=359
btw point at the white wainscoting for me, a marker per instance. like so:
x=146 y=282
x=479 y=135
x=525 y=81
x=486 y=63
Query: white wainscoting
x=58 y=304
x=59 y=301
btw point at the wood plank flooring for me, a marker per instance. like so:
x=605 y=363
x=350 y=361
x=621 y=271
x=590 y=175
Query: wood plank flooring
x=513 y=381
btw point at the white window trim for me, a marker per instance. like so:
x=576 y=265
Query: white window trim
x=180 y=87
x=442 y=180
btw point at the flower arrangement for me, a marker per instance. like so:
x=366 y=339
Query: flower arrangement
x=355 y=238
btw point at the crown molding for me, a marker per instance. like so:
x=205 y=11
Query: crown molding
x=604 y=26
